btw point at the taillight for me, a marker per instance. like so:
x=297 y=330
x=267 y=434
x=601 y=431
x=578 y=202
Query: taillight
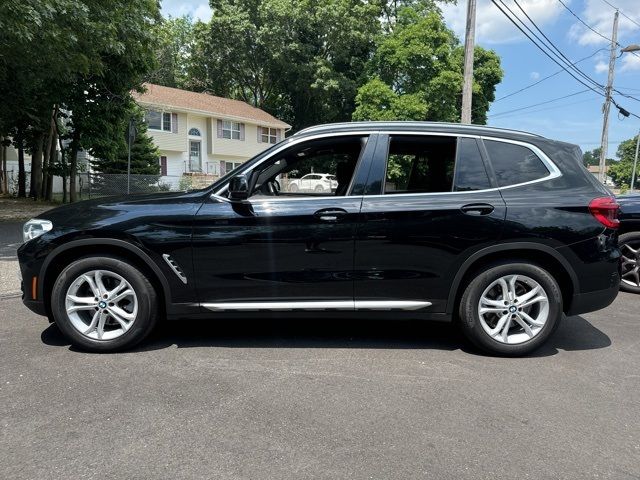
x=605 y=210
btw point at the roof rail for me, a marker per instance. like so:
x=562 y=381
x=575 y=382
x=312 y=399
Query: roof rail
x=390 y=124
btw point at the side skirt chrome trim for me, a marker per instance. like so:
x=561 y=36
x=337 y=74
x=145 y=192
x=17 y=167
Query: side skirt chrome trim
x=329 y=305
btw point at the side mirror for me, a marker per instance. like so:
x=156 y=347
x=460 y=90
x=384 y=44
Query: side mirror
x=239 y=188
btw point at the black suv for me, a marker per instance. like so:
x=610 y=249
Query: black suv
x=630 y=242
x=501 y=231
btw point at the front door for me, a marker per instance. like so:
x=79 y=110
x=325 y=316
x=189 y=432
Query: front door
x=431 y=205
x=195 y=156
x=281 y=250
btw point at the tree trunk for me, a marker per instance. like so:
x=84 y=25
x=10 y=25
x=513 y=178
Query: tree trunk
x=73 y=162
x=22 y=178
x=36 y=166
x=53 y=158
x=46 y=161
x=63 y=170
x=3 y=166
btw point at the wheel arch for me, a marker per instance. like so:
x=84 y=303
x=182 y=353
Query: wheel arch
x=542 y=255
x=61 y=256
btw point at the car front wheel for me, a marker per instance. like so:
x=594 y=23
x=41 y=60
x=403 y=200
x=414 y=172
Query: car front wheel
x=103 y=304
x=511 y=309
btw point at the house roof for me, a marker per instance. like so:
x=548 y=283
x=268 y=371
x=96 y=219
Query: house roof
x=167 y=97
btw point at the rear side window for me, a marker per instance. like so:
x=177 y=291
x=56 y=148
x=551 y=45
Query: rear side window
x=470 y=172
x=431 y=164
x=420 y=164
x=514 y=164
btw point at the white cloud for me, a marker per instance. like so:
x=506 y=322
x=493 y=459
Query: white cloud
x=601 y=66
x=600 y=17
x=630 y=63
x=203 y=12
x=534 y=75
x=197 y=9
x=491 y=24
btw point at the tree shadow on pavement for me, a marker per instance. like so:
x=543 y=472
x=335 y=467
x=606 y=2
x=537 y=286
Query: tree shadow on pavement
x=574 y=333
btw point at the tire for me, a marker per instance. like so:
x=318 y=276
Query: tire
x=629 y=242
x=485 y=286
x=293 y=188
x=135 y=304
x=319 y=189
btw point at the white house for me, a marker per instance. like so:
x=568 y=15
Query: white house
x=201 y=135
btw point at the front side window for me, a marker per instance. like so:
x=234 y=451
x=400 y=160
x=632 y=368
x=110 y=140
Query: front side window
x=514 y=164
x=231 y=130
x=157 y=120
x=268 y=135
x=322 y=167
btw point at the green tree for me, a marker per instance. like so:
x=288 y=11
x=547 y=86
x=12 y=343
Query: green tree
x=80 y=56
x=302 y=61
x=174 y=40
x=144 y=154
x=620 y=171
x=421 y=64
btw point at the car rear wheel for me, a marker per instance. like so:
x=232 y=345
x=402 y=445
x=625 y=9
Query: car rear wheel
x=511 y=309
x=630 y=250
x=103 y=304
x=293 y=188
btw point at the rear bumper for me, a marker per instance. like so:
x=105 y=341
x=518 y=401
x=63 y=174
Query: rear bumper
x=592 y=301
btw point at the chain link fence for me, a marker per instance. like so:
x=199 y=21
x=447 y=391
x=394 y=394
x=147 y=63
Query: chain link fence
x=95 y=185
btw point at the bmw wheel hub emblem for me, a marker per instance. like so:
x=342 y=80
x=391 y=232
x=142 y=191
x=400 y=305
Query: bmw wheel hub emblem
x=102 y=304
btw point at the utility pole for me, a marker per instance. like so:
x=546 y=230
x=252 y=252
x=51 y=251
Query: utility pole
x=607 y=101
x=469 y=41
x=635 y=164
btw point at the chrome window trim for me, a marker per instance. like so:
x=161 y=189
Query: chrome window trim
x=554 y=171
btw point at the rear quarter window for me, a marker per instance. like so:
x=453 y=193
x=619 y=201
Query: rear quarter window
x=514 y=164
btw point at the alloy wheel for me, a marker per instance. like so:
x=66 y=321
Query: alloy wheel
x=101 y=305
x=631 y=263
x=513 y=309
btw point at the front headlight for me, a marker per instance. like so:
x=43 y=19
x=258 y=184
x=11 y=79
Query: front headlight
x=34 y=228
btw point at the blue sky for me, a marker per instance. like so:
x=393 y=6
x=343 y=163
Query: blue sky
x=577 y=119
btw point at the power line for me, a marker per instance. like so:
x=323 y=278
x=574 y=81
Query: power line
x=550 y=42
x=622 y=13
x=585 y=23
x=540 y=103
x=557 y=60
x=547 y=77
x=541 y=48
x=555 y=107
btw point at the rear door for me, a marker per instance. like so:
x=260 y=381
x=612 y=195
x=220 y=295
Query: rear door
x=428 y=205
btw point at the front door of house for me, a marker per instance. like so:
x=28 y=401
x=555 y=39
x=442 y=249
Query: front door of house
x=195 y=156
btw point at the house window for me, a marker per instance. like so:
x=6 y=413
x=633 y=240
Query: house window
x=163 y=166
x=157 y=120
x=268 y=135
x=226 y=167
x=231 y=130
x=194 y=132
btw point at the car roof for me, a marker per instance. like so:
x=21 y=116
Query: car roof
x=436 y=127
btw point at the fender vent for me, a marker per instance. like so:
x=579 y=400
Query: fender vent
x=175 y=267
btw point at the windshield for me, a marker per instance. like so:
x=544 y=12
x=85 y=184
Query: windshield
x=224 y=179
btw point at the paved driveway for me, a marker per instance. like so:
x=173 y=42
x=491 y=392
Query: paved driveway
x=312 y=399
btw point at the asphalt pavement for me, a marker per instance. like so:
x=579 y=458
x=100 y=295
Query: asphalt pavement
x=275 y=399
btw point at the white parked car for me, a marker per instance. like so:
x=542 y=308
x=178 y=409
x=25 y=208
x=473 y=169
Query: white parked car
x=314 y=182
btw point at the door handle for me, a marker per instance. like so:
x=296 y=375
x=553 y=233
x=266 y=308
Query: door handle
x=330 y=214
x=477 y=209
